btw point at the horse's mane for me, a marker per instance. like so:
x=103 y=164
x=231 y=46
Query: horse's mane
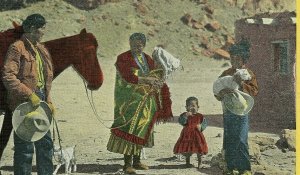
x=82 y=34
x=7 y=37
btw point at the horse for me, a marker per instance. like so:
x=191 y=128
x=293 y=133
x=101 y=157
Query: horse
x=79 y=51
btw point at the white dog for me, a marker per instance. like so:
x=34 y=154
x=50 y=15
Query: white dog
x=228 y=82
x=67 y=157
x=168 y=62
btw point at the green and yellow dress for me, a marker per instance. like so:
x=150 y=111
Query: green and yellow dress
x=137 y=106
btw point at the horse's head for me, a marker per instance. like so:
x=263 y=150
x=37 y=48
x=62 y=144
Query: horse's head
x=88 y=66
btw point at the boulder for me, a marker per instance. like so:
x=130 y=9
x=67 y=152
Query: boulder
x=213 y=26
x=287 y=140
x=220 y=53
x=264 y=143
x=209 y=9
x=187 y=19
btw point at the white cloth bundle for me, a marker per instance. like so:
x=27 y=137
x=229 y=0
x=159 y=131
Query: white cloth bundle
x=238 y=102
x=168 y=62
x=228 y=82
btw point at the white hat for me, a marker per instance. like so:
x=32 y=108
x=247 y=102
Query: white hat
x=239 y=103
x=31 y=124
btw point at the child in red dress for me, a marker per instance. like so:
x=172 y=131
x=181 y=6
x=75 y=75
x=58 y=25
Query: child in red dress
x=191 y=139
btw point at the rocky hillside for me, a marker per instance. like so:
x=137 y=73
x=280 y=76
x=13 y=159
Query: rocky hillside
x=187 y=28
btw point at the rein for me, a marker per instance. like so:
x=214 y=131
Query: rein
x=92 y=104
x=59 y=140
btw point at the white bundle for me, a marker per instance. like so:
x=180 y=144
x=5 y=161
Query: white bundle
x=228 y=82
x=168 y=62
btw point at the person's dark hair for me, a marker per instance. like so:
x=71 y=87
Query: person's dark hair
x=242 y=49
x=138 y=36
x=190 y=99
x=35 y=20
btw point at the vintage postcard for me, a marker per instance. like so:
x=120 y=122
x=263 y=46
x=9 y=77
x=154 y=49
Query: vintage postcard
x=165 y=87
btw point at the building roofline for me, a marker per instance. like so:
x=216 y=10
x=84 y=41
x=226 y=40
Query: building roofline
x=271 y=18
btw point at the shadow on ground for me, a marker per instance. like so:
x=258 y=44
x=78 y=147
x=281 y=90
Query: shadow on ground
x=81 y=168
x=216 y=120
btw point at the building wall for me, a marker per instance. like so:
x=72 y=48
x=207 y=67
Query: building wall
x=275 y=103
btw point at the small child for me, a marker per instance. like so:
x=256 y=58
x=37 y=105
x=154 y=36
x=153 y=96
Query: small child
x=191 y=139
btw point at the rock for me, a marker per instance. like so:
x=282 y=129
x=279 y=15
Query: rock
x=151 y=33
x=207 y=53
x=209 y=9
x=287 y=140
x=187 y=19
x=264 y=143
x=220 y=53
x=213 y=26
x=197 y=25
x=141 y=8
x=209 y=16
x=204 y=42
x=203 y=19
x=149 y=22
x=196 y=50
x=217 y=40
x=230 y=40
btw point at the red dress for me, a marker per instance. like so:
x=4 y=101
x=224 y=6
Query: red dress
x=191 y=139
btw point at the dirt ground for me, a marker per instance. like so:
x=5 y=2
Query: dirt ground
x=78 y=124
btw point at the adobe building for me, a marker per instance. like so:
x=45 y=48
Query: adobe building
x=273 y=44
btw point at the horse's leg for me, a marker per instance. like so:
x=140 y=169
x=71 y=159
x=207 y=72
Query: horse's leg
x=5 y=131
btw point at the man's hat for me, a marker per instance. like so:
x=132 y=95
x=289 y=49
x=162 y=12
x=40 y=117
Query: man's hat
x=31 y=124
x=239 y=103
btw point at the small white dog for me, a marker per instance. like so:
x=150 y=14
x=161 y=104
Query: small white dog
x=228 y=82
x=65 y=157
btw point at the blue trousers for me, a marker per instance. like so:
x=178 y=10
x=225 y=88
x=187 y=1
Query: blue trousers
x=235 y=142
x=24 y=152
